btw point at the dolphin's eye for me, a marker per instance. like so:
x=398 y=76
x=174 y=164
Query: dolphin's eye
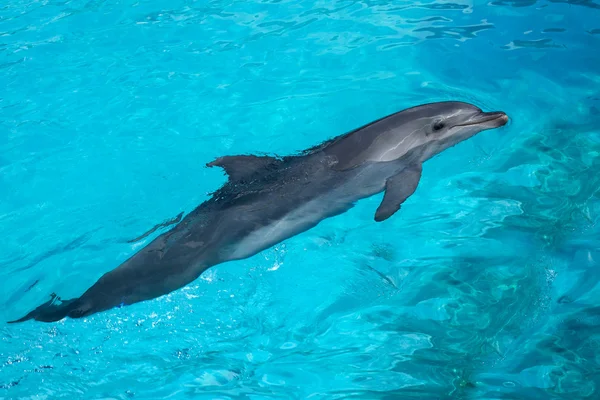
x=438 y=126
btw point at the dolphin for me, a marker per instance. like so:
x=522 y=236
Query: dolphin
x=269 y=199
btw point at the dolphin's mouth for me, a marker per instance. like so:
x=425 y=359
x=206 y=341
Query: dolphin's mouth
x=496 y=118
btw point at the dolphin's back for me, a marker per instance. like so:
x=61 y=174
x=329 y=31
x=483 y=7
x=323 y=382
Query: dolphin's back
x=296 y=198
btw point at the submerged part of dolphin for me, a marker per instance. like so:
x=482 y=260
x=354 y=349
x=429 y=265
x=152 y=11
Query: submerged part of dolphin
x=267 y=200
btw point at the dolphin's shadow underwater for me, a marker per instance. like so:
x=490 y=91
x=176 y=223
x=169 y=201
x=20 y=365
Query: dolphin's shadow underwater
x=267 y=200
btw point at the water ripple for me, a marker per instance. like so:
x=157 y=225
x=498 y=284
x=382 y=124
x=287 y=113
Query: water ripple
x=484 y=286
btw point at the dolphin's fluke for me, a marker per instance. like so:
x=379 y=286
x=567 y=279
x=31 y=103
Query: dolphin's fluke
x=50 y=311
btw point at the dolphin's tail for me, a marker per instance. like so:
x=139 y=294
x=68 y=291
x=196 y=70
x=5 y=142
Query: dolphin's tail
x=50 y=311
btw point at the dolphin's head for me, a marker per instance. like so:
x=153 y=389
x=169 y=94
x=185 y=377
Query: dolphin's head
x=438 y=126
x=415 y=134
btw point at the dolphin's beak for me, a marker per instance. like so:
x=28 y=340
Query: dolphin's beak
x=493 y=119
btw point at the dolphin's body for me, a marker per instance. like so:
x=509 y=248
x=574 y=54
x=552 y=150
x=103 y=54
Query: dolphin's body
x=267 y=200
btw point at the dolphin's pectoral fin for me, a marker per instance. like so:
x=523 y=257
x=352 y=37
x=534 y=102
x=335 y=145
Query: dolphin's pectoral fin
x=398 y=188
x=241 y=167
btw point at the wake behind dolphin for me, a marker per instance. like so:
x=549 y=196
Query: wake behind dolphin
x=267 y=200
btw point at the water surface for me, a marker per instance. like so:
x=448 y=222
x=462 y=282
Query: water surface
x=484 y=286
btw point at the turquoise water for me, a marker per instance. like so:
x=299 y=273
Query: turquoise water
x=484 y=286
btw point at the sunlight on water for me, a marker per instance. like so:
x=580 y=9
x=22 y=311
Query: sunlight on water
x=484 y=286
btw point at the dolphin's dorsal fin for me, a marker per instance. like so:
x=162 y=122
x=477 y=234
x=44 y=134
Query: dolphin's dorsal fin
x=242 y=167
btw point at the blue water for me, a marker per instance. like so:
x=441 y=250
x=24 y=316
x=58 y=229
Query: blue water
x=484 y=286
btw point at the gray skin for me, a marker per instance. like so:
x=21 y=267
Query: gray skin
x=267 y=200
